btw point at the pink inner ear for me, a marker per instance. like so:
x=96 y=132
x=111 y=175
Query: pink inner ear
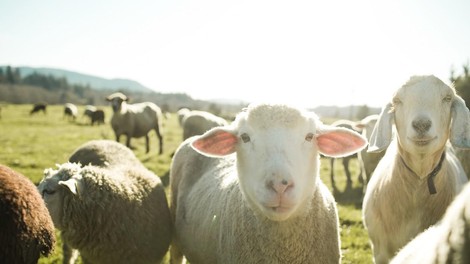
x=340 y=143
x=217 y=143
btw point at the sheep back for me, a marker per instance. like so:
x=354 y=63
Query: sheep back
x=104 y=153
x=205 y=192
x=26 y=228
x=198 y=122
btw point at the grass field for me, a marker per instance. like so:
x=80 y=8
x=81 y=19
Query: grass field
x=30 y=144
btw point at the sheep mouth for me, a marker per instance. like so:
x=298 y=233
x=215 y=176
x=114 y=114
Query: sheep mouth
x=422 y=141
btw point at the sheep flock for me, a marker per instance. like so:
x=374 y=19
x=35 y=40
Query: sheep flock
x=248 y=190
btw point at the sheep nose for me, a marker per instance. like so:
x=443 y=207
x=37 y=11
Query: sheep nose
x=421 y=125
x=280 y=186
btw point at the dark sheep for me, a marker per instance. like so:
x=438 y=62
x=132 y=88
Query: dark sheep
x=38 y=107
x=26 y=227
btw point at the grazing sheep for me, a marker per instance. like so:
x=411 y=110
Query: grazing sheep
x=367 y=160
x=38 y=107
x=95 y=115
x=71 y=111
x=345 y=160
x=417 y=178
x=113 y=210
x=135 y=120
x=446 y=242
x=198 y=122
x=266 y=204
x=26 y=228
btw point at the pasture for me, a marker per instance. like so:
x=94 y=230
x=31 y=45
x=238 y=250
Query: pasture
x=31 y=143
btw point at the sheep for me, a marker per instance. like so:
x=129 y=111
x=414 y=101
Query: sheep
x=367 y=160
x=345 y=160
x=446 y=242
x=96 y=115
x=266 y=204
x=181 y=113
x=108 y=206
x=417 y=178
x=198 y=122
x=70 y=110
x=38 y=107
x=135 y=120
x=26 y=228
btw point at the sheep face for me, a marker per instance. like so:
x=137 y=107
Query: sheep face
x=57 y=184
x=426 y=113
x=422 y=110
x=277 y=150
x=116 y=100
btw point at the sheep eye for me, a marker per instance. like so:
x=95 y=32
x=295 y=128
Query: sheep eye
x=448 y=98
x=309 y=137
x=245 y=137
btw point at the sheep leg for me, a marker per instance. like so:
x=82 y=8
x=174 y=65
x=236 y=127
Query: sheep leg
x=147 y=147
x=176 y=256
x=347 y=172
x=70 y=255
x=160 y=139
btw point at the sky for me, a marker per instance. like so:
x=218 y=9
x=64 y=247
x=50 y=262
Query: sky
x=307 y=53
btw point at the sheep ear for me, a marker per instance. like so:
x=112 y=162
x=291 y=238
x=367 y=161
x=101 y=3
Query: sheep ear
x=72 y=184
x=460 y=128
x=216 y=142
x=339 y=142
x=382 y=133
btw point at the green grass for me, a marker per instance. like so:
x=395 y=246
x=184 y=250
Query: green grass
x=30 y=144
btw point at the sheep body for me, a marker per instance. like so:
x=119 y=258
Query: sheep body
x=71 y=111
x=38 y=107
x=135 y=120
x=26 y=228
x=95 y=115
x=446 y=242
x=113 y=210
x=400 y=201
x=198 y=122
x=253 y=207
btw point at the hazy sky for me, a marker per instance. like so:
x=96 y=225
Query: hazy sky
x=304 y=52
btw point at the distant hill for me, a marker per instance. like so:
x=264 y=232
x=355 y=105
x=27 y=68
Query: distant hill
x=84 y=79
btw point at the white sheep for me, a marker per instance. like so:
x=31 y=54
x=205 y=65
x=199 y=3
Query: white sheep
x=197 y=122
x=70 y=111
x=113 y=210
x=135 y=120
x=446 y=242
x=266 y=204
x=26 y=228
x=367 y=160
x=417 y=178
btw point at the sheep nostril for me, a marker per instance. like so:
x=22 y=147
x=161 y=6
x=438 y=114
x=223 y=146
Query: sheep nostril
x=421 y=125
x=280 y=187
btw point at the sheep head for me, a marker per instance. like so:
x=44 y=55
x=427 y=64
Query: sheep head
x=426 y=113
x=116 y=100
x=55 y=185
x=277 y=149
